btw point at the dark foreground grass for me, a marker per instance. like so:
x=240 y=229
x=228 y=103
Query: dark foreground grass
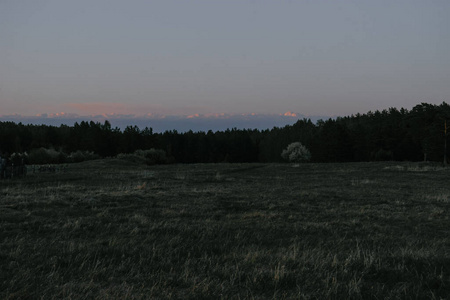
x=108 y=230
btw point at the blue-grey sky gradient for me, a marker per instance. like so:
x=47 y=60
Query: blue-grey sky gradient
x=184 y=57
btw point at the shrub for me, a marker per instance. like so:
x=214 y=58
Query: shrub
x=19 y=158
x=382 y=155
x=46 y=156
x=296 y=152
x=131 y=157
x=149 y=157
x=155 y=157
x=80 y=156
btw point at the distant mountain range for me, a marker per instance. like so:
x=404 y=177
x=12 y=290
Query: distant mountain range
x=180 y=123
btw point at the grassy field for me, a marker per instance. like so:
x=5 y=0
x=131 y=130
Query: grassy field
x=107 y=229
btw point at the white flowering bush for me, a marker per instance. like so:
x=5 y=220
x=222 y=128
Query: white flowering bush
x=296 y=152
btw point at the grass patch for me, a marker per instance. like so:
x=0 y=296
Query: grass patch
x=107 y=229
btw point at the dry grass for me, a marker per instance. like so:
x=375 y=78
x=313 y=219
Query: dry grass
x=106 y=229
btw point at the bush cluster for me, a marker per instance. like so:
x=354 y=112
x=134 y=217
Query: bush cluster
x=149 y=157
x=79 y=156
x=46 y=156
x=40 y=156
x=51 y=156
x=19 y=158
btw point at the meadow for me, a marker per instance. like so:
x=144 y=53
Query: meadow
x=110 y=229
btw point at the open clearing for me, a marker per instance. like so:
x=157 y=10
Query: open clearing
x=107 y=229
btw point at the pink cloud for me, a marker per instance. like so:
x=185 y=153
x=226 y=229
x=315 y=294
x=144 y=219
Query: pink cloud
x=193 y=116
x=98 y=108
x=290 y=114
x=141 y=110
x=106 y=110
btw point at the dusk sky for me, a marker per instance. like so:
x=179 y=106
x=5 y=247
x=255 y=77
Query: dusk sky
x=168 y=57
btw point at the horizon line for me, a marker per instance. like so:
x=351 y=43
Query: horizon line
x=68 y=115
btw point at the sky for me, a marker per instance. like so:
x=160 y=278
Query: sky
x=201 y=59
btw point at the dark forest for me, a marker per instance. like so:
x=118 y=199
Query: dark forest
x=390 y=134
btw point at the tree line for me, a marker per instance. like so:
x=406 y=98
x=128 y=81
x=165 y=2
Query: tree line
x=390 y=134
